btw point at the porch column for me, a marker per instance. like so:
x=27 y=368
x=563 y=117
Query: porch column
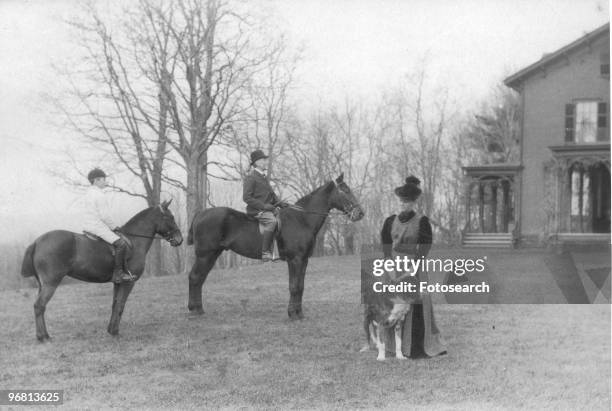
x=505 y=206
x=565 y=197
x=493 y=185
x=481 y=194
x=468 y=203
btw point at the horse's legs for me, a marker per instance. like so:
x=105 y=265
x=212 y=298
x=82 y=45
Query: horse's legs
x=297 y=271
x=115 y=292
x=197 y=276
x=120 y=295
x=44 y=295
x=301 y=277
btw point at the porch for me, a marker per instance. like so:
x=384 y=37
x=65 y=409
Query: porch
x=578 y=185
x=491 y=205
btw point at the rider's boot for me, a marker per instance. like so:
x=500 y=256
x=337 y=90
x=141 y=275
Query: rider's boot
x=119 y=274
x=266 y=245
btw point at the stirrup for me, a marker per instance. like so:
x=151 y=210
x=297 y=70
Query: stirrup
x=131 y=276
x=124 y=277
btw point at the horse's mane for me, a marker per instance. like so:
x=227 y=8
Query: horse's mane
x=304 y=200
x=138 y=216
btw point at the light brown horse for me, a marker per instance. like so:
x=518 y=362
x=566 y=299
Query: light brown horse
x=59 y=253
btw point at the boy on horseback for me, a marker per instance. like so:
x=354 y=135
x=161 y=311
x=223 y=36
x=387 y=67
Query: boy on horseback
x=261 y=201
x=99 y=222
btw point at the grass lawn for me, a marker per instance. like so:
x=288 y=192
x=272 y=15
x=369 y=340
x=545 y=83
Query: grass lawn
x=244 y=352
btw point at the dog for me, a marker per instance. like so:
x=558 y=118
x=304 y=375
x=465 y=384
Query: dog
x=385 y=310
x=386 y=313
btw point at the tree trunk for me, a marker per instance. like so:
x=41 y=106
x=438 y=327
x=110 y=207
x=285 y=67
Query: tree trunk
x=192 y=202
x=155 y=253
x=349 y=239
x=319 y=248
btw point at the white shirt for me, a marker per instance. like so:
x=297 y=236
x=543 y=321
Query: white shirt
x=97 y=208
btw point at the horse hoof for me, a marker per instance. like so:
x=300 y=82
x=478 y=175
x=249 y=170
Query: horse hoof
x=44 y=338
x=196 y=311
x=294 y=316
x=112 y=332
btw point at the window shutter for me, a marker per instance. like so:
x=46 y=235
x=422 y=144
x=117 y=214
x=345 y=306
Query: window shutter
x=569 y=123
x=602 y=122
x=604 y=67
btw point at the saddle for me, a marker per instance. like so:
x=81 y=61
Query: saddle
x=94 y=237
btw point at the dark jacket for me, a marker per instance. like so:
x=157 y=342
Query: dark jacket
x=258 y=193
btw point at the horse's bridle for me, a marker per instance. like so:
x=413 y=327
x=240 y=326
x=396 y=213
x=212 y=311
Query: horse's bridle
x=346 y=210
x=155 y=236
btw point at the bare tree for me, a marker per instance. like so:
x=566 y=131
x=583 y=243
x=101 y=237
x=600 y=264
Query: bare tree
x=217 y=53
x=116 y=101
x=265 y=119
x=494 y=131
x=422 y=125
x=357 y=132
x=163 y=84
x=308 y=161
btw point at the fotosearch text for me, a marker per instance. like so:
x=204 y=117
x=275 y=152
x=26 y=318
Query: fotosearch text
x=424 y=287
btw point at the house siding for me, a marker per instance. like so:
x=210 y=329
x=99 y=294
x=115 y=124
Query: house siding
x=545 y=94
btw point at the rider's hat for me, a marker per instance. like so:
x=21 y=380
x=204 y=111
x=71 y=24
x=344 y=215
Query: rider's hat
x=95 y=173
x=409 y=191
x=257 y=155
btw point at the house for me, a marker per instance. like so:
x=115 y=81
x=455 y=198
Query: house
x=560 y=190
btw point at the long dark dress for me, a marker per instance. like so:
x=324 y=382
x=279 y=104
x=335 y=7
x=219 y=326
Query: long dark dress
x=410 y=233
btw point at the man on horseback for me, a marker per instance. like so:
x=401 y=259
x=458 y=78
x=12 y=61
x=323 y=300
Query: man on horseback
x=100 y=223
x=261 y=201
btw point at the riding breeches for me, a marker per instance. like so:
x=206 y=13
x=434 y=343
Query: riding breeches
x=267 y=221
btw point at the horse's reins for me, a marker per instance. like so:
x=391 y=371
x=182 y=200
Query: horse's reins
x=303 y=210
x=154 y=237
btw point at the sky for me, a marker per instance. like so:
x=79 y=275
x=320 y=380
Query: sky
x=353 y=48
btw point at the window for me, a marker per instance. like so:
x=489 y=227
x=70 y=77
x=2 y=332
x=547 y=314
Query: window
x=586 y=122
x=580 y=183
x=604 y=67
x=589 y=189
x=603 y=133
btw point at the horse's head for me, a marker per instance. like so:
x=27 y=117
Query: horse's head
x=343 y=199
x=166 y=226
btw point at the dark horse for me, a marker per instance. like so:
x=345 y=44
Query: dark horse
x=222 y=228
x=58 y=253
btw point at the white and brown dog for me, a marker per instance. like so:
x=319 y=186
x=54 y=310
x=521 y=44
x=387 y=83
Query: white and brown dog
x=386 y=313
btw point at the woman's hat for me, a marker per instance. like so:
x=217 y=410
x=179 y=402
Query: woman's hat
x=95 y=173
x=409 y=191
x=257 y=155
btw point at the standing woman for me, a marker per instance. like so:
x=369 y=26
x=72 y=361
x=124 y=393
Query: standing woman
x=409 y=234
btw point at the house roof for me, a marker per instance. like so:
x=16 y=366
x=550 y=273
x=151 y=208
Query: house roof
x=516 y=79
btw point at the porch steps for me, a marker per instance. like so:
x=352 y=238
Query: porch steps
x=490 y=240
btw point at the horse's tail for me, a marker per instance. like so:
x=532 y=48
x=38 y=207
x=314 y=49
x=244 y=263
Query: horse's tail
x=27 y=267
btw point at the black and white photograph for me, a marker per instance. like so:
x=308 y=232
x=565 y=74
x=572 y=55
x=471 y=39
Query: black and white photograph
x=305 y=205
